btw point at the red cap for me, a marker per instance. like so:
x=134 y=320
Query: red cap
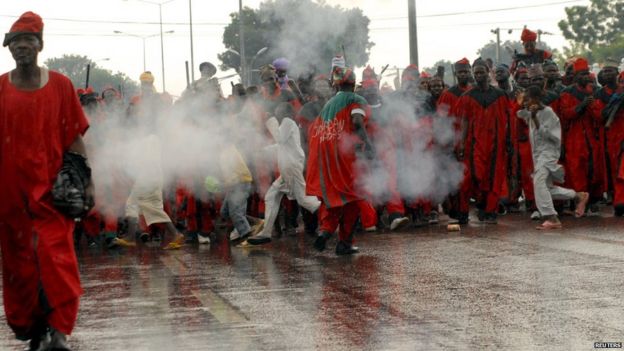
x=410 y=73
x=580 y=64
x=28 y=23
x=528 y=35
x=462 y=64
x=425 y=75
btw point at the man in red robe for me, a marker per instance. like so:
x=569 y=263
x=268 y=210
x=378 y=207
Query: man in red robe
x=612 y=125
x=40 y=120
x=531 y=55
x=459 y=202
x=334 y=138
x=486 y=111
x=577 y=125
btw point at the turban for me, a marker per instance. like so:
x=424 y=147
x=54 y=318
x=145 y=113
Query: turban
x=611 y=62
x=528 y=35
x=480 y=62
x=280 y=64
x=549 y=63
x=535 y=70
x=462 y=64
x=580 y=64
x=503 y=67
x=338 y=61
x=209 y=67
x=28 y=23
x=146 y=77
x=410 y=73
x=343 y=76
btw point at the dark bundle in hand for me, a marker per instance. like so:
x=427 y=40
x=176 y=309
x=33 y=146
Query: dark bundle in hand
x=69 y=193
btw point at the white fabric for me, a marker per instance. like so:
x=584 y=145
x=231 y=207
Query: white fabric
x=546 y=147
x=290 y=161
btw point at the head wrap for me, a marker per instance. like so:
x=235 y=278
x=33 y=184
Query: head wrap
x=410 y=73
x=536 y=70
x=502 y=66
x=480 y=62
x=462 y=64
x=267 y=72
x=28 y=23
x=528 y=35
x=425 y=75
x=343 y=76
x=209 y=67
x=611 y=62
x=281 y=64
x=580 y=64
x=549 y=62
x=369 y=78
x=146 y=77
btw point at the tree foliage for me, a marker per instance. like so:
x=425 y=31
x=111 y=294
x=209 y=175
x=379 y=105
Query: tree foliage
x=75 y=68
x=595 y=31
x=448 y=70
x=307 y=33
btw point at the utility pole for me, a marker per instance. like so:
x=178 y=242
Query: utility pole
x=498 y=43
x=192 y=55
x=413 y=32
x=241 y=35
x=162 y=48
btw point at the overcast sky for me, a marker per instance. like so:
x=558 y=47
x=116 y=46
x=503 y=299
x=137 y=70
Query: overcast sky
x=447 y=29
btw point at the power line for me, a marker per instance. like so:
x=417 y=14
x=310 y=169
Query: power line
x=465 y=24
x=482 y=11
x=75 y=20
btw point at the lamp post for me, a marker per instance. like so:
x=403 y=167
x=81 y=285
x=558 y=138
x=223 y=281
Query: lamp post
x=247 y=79
x=191 y=35
x=142 y=37
x=162 y=45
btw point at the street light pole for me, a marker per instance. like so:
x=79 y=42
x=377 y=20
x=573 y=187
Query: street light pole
x=241 y=35
x=498 y=44
x=413 y=32
x=192 y=56
x=143 y=38
x=162 y=47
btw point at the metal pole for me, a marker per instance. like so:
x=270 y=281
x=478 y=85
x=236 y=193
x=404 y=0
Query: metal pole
x=498 y=46
x=241 y=35
x=144 y=54
x=162 y=48
x=192 y=56
x=413 y=32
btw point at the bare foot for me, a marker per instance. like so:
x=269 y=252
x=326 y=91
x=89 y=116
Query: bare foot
x=581 y=203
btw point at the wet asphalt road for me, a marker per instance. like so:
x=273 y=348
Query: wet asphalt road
x=504 y=287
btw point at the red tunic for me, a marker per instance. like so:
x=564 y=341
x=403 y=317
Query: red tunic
x=577 y=138
x=37 y=127
x=487 y=113
x=332 y=147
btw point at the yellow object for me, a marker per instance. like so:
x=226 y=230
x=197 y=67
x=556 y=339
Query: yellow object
x=123 y=242
x=177 y=243
x=147 y=77
x=233 y=167
x=453 y=227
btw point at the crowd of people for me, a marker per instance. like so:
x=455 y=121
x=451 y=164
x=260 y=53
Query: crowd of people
x=322 y=150
x=334 y=136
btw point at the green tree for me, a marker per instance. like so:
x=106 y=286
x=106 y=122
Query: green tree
x=75 y=68
x=448 y=70
x=595 y=31
x=307 y=33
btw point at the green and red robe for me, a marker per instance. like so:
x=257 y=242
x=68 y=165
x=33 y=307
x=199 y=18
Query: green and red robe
x=332 y=151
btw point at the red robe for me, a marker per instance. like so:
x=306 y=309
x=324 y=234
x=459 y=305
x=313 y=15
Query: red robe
x=577 y=139
x=332 y=152
x=614 y=149
x=37 y=127
x=459 y=203
x=487 y=113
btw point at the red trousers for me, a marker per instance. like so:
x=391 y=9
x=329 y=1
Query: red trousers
x=342 y=218
x=41 y=283
x=368 y=214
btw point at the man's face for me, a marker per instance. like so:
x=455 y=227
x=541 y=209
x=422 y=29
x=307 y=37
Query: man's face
x=424 y=84
x=583 y=78
x=25 y=48
x=480 y=74
x=523 y=80
x=551 y=73
x=609 y=75
x=463 y=76
x=538 y=80
x=501 y=75
x=529 y=47
x=147 y=88
x=436 y=87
